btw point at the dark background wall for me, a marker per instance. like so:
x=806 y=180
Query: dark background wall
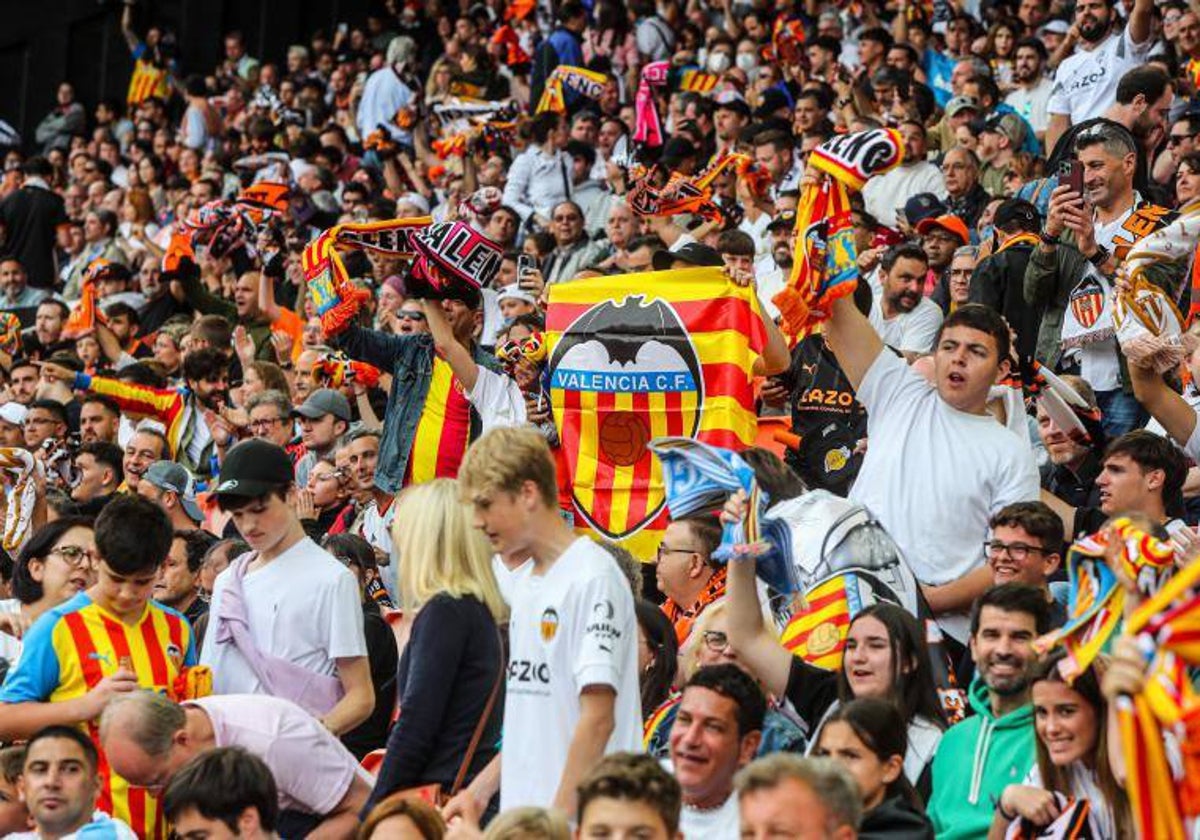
x=45 y=42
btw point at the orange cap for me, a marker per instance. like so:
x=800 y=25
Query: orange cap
x=947 y=222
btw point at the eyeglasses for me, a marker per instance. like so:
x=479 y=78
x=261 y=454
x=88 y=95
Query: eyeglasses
x=1176 y=139
x=265 y=423
x=336 y=475
x=1017 y=551
x=663 y=548
x=74 y=555
x=410 y=316
x=574 y=217
x=716 y=641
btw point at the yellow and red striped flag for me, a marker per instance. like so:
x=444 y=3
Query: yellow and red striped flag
x=642 y=356
x=817 y=632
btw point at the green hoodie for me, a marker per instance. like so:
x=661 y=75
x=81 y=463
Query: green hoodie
x=975 y=761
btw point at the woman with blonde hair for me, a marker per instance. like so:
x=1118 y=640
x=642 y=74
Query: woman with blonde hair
x=449 y=674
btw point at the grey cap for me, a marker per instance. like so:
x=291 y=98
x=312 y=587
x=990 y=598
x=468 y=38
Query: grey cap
x=168 y=475
x=325 y=401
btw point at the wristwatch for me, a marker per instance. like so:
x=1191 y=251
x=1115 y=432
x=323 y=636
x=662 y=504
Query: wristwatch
x=1048 y=239
x=1100 y=257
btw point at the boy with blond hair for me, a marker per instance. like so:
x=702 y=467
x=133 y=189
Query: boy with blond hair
x=572 y=692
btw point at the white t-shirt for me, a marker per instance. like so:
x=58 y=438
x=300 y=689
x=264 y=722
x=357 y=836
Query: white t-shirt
x=10 y=646
x=887 y=193
x=721 y=823
x=911 y=332
x=102 y=827
x=1032 y=104
x=934 y=475
x=1085 y=84
x=572 y=627
x=312 y=770
x=1098 y=362
x=303 y=606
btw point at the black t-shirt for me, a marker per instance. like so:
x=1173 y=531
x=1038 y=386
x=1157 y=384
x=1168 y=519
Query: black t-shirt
x=31 y=216
x=826 y=416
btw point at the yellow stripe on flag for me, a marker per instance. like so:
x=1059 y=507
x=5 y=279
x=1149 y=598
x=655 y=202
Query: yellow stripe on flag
x=622 y=478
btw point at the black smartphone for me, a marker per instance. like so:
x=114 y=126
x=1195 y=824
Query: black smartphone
x=525 y=264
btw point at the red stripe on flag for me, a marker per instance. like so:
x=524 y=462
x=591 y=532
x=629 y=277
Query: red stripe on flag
x=722 y=379
x=175 y=629
x=698 y=316
x=639 y=497
x=674 y=408
x=602 y=487
x=721 y=437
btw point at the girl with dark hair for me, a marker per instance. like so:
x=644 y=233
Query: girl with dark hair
x=885 y=658
x=867 y=737
x=56 y=564
x=1070 y=722
x=658 y=656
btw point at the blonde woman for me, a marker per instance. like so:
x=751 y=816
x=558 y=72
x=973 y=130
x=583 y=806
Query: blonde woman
x=448 y=675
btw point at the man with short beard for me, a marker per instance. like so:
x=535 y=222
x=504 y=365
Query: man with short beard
x=903 y=317
x=1083 y=242
x=1031 y=96
x=1085 y=83
x=1076 y=462
x=969 y=778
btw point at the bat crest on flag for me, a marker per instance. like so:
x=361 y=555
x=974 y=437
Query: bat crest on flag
x=625 y=366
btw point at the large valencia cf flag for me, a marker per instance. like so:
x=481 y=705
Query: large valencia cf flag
x=641 y=356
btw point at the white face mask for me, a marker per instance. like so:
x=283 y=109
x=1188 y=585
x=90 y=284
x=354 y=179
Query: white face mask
x=746 y=61
x=718 y=62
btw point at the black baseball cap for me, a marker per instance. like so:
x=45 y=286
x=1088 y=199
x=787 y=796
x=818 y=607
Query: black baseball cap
x=1017 y=212
x=923 y=206
x=693 y=253
x=254 y=468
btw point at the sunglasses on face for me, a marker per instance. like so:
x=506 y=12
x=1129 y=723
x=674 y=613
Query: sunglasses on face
x=410 y=316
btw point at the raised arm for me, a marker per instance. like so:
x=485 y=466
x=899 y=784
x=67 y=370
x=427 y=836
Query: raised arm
x=460 y=359
x=764 y=656
x=853 y=340
x=1164 y=405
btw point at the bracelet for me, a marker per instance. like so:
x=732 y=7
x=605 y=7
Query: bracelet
x=998 y=802
x=1047 y=239
x=842 y=103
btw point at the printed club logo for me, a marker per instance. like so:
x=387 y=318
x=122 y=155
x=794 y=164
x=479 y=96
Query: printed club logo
x=622 y=374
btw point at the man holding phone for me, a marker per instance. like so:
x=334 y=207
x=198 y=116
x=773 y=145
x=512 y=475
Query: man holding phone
x=1095 y=216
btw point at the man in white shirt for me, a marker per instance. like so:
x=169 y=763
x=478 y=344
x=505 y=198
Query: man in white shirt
x=716 y=732
x=1031 y=97
x=285 y=620
x=572 y=694
x=1096 y=226
x=887 y=193
x=904 y=318
x=939 y=465
x=540 y=177
x=385 y=93
x=59 y=784
x=1085 y=83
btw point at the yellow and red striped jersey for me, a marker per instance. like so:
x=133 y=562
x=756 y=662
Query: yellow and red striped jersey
x=443 y=430
x=77 y=644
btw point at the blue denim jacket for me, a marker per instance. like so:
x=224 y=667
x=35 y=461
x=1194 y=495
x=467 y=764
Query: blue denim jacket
x=409 y=358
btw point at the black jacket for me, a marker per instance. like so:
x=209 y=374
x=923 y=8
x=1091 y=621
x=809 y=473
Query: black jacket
x=895 y=819
x=999 y=282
